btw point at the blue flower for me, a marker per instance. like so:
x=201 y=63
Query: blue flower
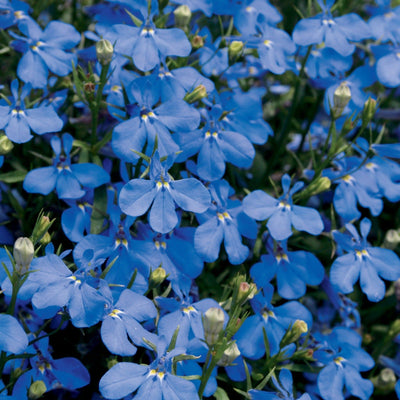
x=224 y=221
x=67 y=372
x=12 y=11
x=281 y=212
x=45 y=50
x=154 y=381
x=63 y=176
x=293 y=270
x=344 y=359
x=18 y=121
x=284 y=386
x=149 y=121
x=121 y=324
x=363 y=261
x=161 y=192
x=333 y=32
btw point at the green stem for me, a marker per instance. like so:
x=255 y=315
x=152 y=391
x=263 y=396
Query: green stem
x=96 y=105
x=207 y=374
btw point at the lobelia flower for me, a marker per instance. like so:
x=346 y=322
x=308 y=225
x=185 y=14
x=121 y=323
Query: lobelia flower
x=363 y=261
x=63 y=176
x=344 y=359
x=333 y=32
x=120 y=327
x=154 y=381
x=224 y=221
x=18 y=121
x=274 y=320
x=216 y=143
x=44 y=50
x=148 y=121
x=284 y=386
x=68 y=372
x=161 y=193
x=11 y=11
x=84 y=297
x=293 y=270
x=281 y=212
x=148 y=45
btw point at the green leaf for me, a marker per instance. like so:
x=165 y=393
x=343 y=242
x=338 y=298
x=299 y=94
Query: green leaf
x=99 y=210
x=220 y=394
x=13 y=177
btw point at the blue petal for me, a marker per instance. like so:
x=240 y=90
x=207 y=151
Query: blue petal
x=32 y=69
x=208 y=238
x=90 y=175
x=70 y=372
x=163 y=216
x=57 y=61
x=237 y=252
x=145 y=54
x=386 y=262
x=17 y=129
x=68 y=186
x=43 y=120
x=115 y=338
x=356 y=385
x=172 y=42
x=122 y=379
x=309 y=31
x=191 y=195
x=344 y=272
x=259 y=205
x=210 y=161
x=12 y=336
x=237 y=148
x=177 y=115
x=370 y=283
x=306 y=219
x=41 y=180
x=62 y=35
x=279 y=225
x=177 y=388
x=331 y=381
x=136 y=196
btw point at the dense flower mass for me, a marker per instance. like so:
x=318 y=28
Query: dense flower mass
x=199 y=199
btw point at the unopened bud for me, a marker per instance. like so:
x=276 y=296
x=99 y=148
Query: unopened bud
x=230 y=354
x=182 y=16
x=369 y=110
x=341 y=98
x=37 y=390
x=104 y=51
x=235 y=49
x=298 y=328
x=197 y=42
x=89 y=87
x=320 y=185
x=42 y=225
x=23 y=253
x=246 y=291
x=392 y=239
x=6 y=145
x=46 y=239
x=157 y=276
x=213 y=323
x=198 y=93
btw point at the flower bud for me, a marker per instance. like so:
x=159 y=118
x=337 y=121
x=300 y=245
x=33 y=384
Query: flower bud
x=198 y=93
x=104 y=51
x=197 y=42
x=46 y=239
x=6 y=145
x=298 y=328
x=182 y=16
x=157 y=276
x=42 y=225
x=369 y=110
x=341 y=98
x=392 y=239
x=230 y=354
x=235 y=49
x=246 y=291
x=213 y=323
x=23 y=253
x=37 y=390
